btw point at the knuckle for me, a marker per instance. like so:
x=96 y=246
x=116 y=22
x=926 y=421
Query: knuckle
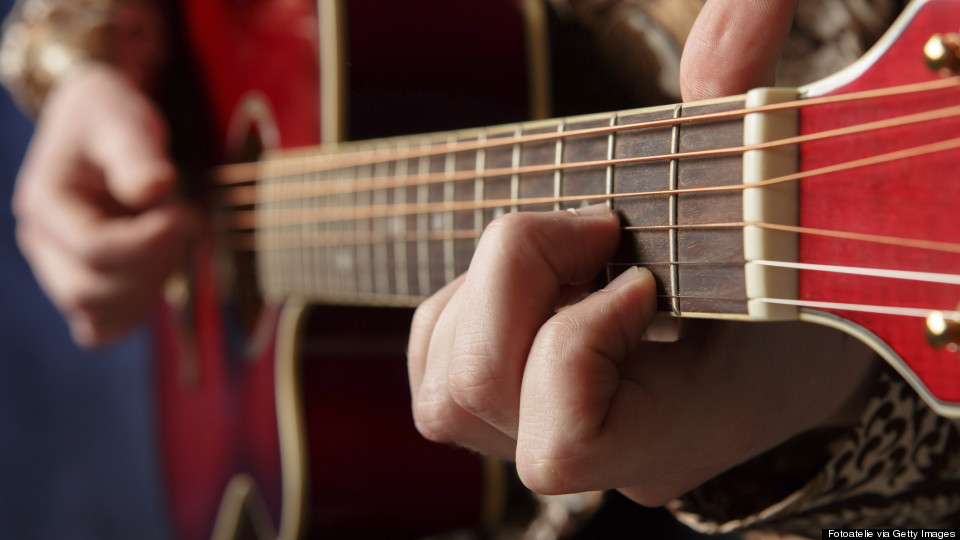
x=556 y=335
x=472 y=386
x=548 y=473
x=95 y=254
x=78 y=301
x=424 y=317
x=433 y=421
x=510 y=229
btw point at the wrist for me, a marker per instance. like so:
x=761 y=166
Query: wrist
x=45 y=41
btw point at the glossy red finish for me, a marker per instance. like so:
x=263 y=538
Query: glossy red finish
x=216 y=409
x=267 y=46
x=370 y=472
x=913 y=198
x=225 y=422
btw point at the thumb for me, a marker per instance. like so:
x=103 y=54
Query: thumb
x=734 y=46
x=128 y=142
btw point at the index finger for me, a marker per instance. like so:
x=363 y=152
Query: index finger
x=516 y=277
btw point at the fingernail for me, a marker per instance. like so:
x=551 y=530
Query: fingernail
x=664 y=330
x=626 y=277
x=594 y=210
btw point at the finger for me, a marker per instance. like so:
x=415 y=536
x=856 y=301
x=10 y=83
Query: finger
x=129 y=144
x=62 y=189
x=523 y=261
x=437 y=415
x=98 y=307
x=112 y=242
x=573 y=389
x=120 y=131
x=421 y=331
x=733 y=47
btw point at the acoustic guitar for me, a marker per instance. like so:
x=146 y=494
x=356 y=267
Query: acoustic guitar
x=835 y=203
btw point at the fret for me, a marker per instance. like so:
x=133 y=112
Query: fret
x=300 y=236
x=611 y=155
x=479 y=187
x=500 y=188
x=438 y=221
x=541 y=184
x=591 y=181
x=267 y=262
x=705 y=286
x=672 y=216
x=363 y=228
x=464 y=221
x=326 y=201
x=423 y=227
x=400 y=227
x=643 y=246
x=558 y=174
x=291 y=235
x=349 y=264
x=449 y=189
x=345 y=252
x=515 y=164
x=314 y=253
x=302 y=279
x=411 y=255
x=334 y=178
x=412 y=226
x=381 y=227
x=608 y=173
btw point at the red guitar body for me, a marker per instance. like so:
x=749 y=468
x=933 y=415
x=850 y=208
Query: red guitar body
x=365 y=471
x=912 y=198
x=356 y=466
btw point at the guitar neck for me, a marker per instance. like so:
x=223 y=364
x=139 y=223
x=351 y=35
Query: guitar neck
x=390 y=222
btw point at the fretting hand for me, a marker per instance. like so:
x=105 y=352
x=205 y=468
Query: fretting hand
x=575 y=396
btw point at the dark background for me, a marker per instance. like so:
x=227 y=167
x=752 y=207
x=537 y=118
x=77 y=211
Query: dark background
x=78 y=456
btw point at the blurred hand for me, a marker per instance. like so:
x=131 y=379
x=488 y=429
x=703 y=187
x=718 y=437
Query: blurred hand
x=95 y=208
x=499 y=362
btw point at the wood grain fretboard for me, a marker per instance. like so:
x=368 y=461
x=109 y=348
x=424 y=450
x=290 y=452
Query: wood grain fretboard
x=393 y=231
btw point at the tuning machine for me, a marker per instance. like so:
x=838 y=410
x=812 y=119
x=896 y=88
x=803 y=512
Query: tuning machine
x=943 y=329
x=942 y=53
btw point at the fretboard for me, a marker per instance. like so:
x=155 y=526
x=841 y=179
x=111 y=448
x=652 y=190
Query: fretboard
x=390 y=222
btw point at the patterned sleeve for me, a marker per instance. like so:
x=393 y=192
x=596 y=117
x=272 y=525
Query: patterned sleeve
x=899 y=467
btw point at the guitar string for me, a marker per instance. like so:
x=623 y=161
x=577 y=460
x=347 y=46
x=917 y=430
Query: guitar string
x=905 y=242
x=900 y=275
x=240 y=196
x=355 y=239
x=839 y=306
x=246 y=241
x=315 y=160
x=928 y=277
x=260 y=219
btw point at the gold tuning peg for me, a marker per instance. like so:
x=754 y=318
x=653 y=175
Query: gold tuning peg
x=943 y=330
x=942 y=52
